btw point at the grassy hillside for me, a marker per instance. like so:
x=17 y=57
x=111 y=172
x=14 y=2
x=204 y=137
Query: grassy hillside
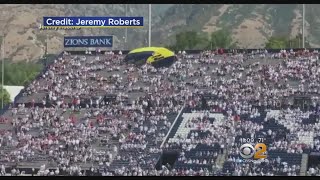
x=251 y=24
x=24 y=41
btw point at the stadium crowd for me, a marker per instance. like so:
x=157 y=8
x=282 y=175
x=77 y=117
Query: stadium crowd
x=96 y=115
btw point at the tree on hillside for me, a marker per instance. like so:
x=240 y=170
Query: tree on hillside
x=21 y=73
x=276 y=43
x=203 y=41
x=286 y=42
x=221 y=39
x=186 y=40
x=193 y=40
x=5 y=96
x=296 y=42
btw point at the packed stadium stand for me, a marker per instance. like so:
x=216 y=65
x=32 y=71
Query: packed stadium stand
x=94 y=114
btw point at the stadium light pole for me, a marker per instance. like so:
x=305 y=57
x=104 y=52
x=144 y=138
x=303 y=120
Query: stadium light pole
x=299 y=44
x=149 y=25
x=2 y=73
x=303 y=23
x=126 y=31
x=46 y=51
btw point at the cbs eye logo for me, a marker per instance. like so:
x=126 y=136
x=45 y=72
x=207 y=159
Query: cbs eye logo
x=257 y=152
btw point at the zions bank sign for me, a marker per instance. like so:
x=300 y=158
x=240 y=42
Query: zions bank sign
x=88 y=41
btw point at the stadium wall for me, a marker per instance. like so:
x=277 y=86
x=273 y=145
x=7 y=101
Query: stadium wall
x=197 y=51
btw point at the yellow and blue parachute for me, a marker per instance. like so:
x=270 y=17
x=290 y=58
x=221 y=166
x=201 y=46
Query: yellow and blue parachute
x=156 y=56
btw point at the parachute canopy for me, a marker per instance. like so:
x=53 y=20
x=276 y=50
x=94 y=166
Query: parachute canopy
x=156 y=56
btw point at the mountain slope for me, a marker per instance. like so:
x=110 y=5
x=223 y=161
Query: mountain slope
x=251 y=24
x=24 y=41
